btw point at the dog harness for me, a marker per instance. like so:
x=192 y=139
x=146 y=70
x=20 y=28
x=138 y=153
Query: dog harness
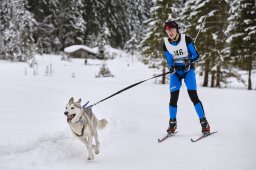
x=88 y=109
x=83 y=123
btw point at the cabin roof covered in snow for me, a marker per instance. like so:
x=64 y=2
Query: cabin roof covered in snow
x=74 y=48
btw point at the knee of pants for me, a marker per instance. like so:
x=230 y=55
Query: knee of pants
x=174 y=98
x=193 y=96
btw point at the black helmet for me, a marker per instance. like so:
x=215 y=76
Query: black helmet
x=170 y=24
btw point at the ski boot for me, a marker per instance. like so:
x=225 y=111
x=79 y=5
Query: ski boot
x=205 y=125
x=172 y=126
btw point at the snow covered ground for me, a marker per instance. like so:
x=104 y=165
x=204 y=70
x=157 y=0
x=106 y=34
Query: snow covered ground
x=35 y=135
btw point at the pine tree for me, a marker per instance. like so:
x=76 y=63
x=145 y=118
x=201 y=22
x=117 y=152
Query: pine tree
x=45 y=30
x=60 y=24
x=54 y=24
x=211 y=41
x=93 y=13
x=138 y=12
x=16 y=29
x=242 y=31
x=217 y=19
x=70 y=24
x=8 y=30
x=109 y=15
x=27 y=24
x=117 y=22
x=4 y=18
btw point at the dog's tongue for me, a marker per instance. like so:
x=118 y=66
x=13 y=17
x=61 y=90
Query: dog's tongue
x=69 y=118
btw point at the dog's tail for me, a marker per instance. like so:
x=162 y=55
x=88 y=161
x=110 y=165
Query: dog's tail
x=101 y=123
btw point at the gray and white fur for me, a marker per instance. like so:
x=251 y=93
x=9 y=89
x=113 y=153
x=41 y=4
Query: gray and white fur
x=84 y=124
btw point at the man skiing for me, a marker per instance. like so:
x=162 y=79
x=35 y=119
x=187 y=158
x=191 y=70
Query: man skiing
x=181 y=55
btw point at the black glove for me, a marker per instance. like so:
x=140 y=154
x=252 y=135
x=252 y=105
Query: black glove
x=187 y=65
x=172 y=70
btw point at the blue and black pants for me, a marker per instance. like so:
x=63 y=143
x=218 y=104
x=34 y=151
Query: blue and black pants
x=175 y=84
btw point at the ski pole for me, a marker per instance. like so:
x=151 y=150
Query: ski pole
x=200 y=28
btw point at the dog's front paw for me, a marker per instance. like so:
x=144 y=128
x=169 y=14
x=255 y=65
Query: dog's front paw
x=90 y=157
x=97 y=149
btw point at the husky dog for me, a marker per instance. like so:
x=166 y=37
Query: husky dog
x=84 y=124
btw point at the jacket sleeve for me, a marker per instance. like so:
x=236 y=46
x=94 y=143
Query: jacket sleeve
x=168 y=57
x=193 y=54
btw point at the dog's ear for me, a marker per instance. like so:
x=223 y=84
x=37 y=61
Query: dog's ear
x=71 y=100
x=79 y=101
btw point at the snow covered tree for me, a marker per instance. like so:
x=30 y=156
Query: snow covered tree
x=138 y=12
x=217 y=20
x=242 y=30
x=5 y=17
x=93 y=10
x=55 y=24
x=110 y=15
x=117 y=22
x=70 y=24
x=44 y=34
x=16 y=29
x=211 y=41
x=102 y=42
x=60 y=23
x=27 y=24
x=7 y=30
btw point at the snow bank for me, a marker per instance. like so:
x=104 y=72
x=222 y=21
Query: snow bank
x=35 y=135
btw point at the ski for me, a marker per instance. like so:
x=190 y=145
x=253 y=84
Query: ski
x=203 y=136
x=166 y=136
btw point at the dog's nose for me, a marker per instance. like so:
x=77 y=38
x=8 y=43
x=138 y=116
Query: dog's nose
x=66 y=113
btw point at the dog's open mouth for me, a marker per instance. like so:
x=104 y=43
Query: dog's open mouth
x=70 y=117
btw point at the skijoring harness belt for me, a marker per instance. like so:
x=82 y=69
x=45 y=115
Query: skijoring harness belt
x=179 y=68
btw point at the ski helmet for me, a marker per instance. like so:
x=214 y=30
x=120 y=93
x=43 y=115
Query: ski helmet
x=170 y=24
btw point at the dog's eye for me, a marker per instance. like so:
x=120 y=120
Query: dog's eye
x=72 y=107
x=66 y=108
